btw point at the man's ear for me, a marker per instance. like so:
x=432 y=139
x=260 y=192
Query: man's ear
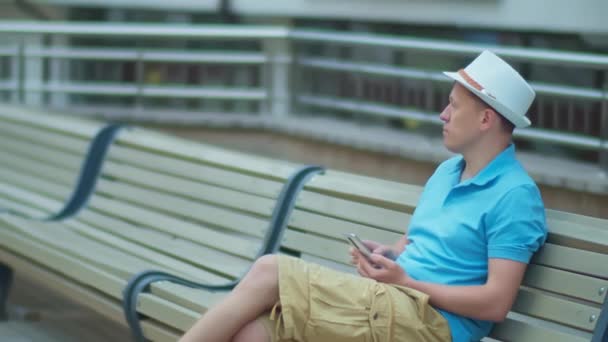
x=488 y=118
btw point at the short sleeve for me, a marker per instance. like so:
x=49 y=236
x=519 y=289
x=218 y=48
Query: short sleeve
x=516 y=227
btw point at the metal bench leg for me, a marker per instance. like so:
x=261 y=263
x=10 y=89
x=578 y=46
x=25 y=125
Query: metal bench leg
x=6 y=280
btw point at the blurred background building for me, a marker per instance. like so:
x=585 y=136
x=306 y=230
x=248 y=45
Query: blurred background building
x=352 y=84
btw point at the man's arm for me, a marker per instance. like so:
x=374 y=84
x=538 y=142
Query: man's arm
x=491 y=301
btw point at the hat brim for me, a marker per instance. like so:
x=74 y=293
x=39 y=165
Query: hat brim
x=519 y=121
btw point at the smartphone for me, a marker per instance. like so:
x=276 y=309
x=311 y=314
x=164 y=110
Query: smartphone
x=354 y=240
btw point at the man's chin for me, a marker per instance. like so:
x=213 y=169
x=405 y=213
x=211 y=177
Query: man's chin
x=450 y=148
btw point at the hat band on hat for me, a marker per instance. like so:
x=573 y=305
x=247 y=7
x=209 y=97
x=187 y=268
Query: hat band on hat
x=474 y=83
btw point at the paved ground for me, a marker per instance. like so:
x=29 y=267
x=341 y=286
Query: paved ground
x=36 y=314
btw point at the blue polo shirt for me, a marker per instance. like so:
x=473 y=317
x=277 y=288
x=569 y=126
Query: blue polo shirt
x=457 y=226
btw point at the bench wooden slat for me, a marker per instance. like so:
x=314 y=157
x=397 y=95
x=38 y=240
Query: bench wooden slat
x=373 y=191
x=196 y=300
x=195 y=171
x=190 y=231
x=573 y=260
x=58 y=237
x=41 y=156
x=241 y=162
x=335 y=228
x=353 y=211
x=537 y=304
x=574 y=234
x=39 y=170
x=49 y=120
x=148 y=255
x=193 y=210
x=155 y=333
x=163 y=243
x=33 y=184
x=167 y=312
x=335 y=250
x=61 y=142
x=24 y=202
x=583 y=220
x=567 y=283
x=136 y=177
x=513 y=330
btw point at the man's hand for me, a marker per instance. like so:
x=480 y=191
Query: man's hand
x=383 y=270
x=355 y=254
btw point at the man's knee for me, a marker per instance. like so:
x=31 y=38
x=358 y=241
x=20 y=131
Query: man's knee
x=266 y=265
x=264 y=272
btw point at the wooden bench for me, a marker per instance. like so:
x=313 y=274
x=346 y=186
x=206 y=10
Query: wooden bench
x=160 y=203
x=42 y=149
x=202 y=213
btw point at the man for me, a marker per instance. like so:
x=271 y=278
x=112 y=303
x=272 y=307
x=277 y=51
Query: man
x=479 y=220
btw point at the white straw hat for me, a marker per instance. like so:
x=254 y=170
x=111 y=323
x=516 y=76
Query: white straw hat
x=499 y=85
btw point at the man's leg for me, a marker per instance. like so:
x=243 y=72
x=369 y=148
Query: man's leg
x=255 y=294
x=253 y=332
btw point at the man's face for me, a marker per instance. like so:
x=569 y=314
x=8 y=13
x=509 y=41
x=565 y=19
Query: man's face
x=462 y=120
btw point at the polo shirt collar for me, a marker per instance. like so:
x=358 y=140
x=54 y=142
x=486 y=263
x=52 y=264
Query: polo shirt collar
x=494 y=169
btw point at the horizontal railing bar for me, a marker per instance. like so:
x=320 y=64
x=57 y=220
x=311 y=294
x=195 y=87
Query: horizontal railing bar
x=8 y=85
x=454 y=48
x=8 y=51
x=207 y=92
x=155 y=112
x=423 y=75
x=227 y=57
x=150 y=91
x=79 y=53
x=133 y=30
x=369 y=108
x=84 y=88
x=370 y=68
x=568 y=91
x=406 y=113
x=561 y=138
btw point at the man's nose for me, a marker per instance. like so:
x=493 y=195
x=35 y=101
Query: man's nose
x=444 y=115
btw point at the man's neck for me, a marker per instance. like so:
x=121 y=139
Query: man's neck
x=479 y=156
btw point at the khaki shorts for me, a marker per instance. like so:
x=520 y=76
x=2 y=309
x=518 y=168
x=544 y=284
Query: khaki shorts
x=318 y=304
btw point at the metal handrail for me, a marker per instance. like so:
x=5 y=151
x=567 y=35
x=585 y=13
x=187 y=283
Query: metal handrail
x=148 y=55
x=144 y=30
x=424 y=75
x=596 y=61
x=149 y=90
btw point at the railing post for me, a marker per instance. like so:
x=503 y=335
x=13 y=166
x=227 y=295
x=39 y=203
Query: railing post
x=32 y=71
x=58 y=72
x=277 y=75
x=604 y=127
x=14 y=71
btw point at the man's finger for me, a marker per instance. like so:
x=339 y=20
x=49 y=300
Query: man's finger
x=361 y=270
x=367 y=267
x=381 y=260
